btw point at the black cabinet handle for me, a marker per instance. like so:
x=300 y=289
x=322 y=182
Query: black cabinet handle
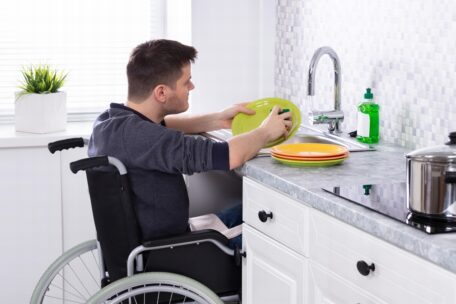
x=238 y=255
x=365 y=268
x=263 y=216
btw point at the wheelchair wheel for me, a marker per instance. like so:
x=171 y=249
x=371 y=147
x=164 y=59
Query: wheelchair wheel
x=155 y=287
x=73 y=278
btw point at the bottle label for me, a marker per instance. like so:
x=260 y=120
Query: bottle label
x=363 y=125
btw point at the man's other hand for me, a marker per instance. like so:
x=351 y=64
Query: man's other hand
x=226 y=116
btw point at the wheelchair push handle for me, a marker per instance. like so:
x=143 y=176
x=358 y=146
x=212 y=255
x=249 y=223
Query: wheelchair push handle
x=65 y=144
x=88 y=163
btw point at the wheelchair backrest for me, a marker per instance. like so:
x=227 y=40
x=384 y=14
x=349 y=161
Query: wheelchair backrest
x=115 y=218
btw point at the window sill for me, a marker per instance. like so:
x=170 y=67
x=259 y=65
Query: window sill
x=9 y=138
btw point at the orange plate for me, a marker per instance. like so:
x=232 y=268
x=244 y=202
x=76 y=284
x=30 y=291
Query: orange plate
x=345 y=155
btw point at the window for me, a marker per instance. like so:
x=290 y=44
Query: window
x=89 y=39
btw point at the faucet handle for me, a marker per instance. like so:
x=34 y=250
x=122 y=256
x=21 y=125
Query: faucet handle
x=327 y=117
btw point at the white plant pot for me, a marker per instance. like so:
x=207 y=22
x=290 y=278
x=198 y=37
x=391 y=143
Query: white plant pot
x=40 y=113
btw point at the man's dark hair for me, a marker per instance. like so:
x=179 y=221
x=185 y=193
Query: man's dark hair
x=156 y=62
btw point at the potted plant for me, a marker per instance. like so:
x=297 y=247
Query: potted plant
x=40 y=107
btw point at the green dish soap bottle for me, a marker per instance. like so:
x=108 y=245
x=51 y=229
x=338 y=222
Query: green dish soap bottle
x=368 y=120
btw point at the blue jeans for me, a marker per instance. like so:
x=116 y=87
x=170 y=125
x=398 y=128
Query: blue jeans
x=231 y=217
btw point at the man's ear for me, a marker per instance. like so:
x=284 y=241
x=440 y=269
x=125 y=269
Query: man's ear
x=160 y=93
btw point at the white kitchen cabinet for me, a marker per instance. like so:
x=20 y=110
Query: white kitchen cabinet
x=275 y=269
x=327 y=252
x=45 y=209
x=30 y=219
x=272 y=273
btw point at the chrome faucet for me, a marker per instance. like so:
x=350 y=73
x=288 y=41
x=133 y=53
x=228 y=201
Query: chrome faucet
x=335 y=117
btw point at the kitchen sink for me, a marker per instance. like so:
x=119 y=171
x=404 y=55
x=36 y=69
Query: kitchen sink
x=351 y=145
x=306 y=134
x=318 y=139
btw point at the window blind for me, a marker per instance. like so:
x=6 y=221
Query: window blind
x=88 y=39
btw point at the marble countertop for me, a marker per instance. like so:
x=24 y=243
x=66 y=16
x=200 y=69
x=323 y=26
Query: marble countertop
x=386 y=165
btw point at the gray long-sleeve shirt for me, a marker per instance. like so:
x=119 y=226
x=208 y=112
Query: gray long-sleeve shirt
x=155 y=157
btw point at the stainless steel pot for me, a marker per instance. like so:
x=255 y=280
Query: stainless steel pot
x=431 y=181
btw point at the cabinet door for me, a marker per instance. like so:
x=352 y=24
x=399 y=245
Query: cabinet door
x=30 y=219
x=271 y=272
x=326 y=287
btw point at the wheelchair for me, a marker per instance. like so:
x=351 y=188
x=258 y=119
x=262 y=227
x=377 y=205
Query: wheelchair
x=120 y=267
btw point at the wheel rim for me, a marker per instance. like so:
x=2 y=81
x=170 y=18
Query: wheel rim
x=157 y=286
x=73 y=278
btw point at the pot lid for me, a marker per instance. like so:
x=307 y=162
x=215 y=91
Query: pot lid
x=442 y=153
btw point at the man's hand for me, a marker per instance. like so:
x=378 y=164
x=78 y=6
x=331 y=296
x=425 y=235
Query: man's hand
x=245 y=146
x=226 y=116
x=276 y=125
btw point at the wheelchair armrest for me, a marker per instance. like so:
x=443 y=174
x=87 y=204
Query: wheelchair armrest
x=188 y=237
x=89 y=163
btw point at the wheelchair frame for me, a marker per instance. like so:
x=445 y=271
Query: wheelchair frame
x=133 y=284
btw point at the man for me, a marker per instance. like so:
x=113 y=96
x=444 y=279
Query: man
x=148 y=135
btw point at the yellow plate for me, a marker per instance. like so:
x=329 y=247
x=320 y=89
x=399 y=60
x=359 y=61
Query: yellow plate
x=302 y=163
x=243 y=123
x=309 y=150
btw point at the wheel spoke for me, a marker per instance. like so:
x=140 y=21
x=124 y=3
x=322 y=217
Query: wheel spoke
x=88 y=271
x=79 y=279
x=66 y=300
x=72 y=286
x=65 y=292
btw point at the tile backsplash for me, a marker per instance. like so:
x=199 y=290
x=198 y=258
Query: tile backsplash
x=404 y=50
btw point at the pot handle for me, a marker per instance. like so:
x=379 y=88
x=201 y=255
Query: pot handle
x=452 y=137
x=450 y=177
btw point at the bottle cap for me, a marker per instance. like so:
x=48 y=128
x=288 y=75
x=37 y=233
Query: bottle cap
x=368 y=94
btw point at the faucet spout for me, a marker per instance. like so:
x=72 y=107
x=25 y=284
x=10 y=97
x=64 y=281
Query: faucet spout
x=337 y=80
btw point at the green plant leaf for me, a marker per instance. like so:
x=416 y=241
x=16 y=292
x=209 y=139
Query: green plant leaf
x=41 y=79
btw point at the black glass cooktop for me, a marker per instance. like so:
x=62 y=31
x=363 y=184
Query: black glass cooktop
x=390 y=200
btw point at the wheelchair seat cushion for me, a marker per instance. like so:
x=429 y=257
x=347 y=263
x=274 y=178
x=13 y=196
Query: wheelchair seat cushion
x=202 y=261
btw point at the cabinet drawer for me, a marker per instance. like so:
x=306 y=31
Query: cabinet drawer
x=289 y=223
x=399 y=277
x=327 y=287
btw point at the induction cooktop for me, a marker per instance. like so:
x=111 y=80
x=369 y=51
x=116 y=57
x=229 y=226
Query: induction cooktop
x=391 y=200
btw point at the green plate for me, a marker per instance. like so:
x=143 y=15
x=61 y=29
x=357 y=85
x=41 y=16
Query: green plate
x=243 y=123
x=301 y=163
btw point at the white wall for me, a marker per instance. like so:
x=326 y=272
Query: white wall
x=235 y=44
x=404 y=50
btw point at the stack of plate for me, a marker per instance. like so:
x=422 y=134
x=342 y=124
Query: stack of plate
x=309 y=154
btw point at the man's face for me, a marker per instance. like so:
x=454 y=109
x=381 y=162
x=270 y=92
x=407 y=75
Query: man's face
x=178 y=99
